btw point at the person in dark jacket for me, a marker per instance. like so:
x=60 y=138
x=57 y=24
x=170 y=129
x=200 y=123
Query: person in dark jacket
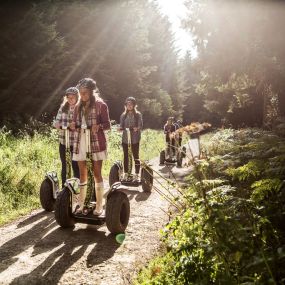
x=178 y=126
x=131 y=118
x=169 y=131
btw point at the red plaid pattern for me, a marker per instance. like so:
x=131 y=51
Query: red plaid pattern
x=99 y=114
x=64 y=119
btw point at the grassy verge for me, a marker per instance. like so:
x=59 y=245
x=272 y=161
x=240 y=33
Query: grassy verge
x=231 y=230
x=25 y=160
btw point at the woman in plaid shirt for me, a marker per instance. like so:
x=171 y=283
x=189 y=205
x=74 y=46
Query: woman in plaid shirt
x=63 y=119
x=90 y=112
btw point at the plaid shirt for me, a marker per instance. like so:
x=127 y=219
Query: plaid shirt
x=99 y=114
x=64 y=119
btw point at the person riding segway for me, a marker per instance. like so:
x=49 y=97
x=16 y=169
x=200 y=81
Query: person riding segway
x=50 y=186
x=74 y=204
x=173 y=152
x=178 y=126
x=130 y=125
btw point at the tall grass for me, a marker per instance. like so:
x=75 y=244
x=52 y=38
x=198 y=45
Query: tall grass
x=25 y=159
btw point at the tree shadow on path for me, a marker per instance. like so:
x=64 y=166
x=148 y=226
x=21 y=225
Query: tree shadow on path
x=15 y=246
x=72 y=246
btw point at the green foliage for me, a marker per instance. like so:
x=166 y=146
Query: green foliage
x=115 y=42
x=231 y=230
x=263 y=188
x=252 y=169
x=239 y=74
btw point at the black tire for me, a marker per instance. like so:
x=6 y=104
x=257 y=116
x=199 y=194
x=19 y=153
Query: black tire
x=183 y=152
x=114 y=175
x=117 y=212
x=63 y=209
x=46 y=195
x=162 y=157
x=147 y=179
x=179 y=159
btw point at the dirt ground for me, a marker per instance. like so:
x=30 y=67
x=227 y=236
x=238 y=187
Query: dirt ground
x=35 y=250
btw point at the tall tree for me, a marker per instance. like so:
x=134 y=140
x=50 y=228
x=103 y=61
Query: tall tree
x=241 y=50
x=118 y=43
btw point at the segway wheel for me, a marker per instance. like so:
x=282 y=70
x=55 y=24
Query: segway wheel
x=162 y=157
x=114 y=175
x=179 y=159
x=183 y=152
x=46 y=195
x=117 y=212
x=147 y=179
x=63 y=209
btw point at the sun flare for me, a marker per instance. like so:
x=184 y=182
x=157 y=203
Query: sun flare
x=176 y=11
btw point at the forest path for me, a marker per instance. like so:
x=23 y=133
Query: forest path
x=35 y=250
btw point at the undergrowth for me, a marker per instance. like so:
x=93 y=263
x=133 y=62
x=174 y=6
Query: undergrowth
x=231 y=229
x=27 y=156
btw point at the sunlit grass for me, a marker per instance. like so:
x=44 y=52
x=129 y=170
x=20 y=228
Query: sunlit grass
x=26 y=159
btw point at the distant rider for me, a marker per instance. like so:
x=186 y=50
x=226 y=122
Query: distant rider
x=131 y=118
x=169 y=131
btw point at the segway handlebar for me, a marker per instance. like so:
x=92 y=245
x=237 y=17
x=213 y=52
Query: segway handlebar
x=65 y=128
x=126 y=129
x=80 y=127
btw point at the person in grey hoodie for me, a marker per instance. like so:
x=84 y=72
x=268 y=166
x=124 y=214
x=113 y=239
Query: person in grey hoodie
x=131 y=118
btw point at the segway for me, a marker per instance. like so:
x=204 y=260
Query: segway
x=50 y=186
x=117 y=170
x=117 y=208
x=172 y=154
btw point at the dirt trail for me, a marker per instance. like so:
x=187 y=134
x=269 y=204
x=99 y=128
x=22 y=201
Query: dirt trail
x=35 y=250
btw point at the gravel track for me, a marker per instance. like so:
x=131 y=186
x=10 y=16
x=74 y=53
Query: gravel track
x=35 y=250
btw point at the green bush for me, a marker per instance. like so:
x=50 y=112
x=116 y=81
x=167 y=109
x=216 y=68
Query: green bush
x=231 y=230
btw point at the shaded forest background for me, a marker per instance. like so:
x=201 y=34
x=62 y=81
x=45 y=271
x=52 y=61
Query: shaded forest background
x=237 y=78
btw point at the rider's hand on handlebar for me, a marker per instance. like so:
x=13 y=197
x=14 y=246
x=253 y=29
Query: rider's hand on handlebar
x=72 y=126
x=135 y=129
x=57 y=125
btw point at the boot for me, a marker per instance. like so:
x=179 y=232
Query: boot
x=99 y=187
x=82 y=196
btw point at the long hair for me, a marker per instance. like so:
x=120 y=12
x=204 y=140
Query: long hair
x=65 y=106
x=135 y=110
x=94 y=97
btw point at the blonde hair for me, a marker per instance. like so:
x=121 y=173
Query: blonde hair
x=65 y=105
x=135 y=110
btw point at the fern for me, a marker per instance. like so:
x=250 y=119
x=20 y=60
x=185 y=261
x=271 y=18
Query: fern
x=264 y=187
x=252 y=169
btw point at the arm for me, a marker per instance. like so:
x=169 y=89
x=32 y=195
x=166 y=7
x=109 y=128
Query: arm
x=122 y=122
x=140 y=122
x=105 y=123
x=165 y=129
x=74 y=118
x=58 y=119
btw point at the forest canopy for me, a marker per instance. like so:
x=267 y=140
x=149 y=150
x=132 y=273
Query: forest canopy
x=237 y=77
